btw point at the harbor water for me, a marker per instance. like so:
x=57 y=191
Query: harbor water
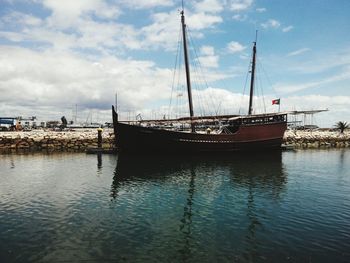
x=291 y=206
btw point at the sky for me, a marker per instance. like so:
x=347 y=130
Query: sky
x=67 y=57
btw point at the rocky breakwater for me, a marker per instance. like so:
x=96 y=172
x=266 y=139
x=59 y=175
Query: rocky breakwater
x=40 y=140
x=317 y=139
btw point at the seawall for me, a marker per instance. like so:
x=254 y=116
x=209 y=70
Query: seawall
x=40 y=140
x=316 y=139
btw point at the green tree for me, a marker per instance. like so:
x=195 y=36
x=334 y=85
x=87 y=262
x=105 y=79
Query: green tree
x=342 y=125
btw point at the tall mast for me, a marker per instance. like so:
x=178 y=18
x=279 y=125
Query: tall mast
x=188 y=78
x=252 y=78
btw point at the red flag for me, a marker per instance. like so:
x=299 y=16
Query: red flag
x=276 y=102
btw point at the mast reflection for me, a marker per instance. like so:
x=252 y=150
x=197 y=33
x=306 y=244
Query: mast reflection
x=261 y=173
x=186 y=221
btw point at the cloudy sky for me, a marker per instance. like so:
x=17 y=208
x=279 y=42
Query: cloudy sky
x=59 y=55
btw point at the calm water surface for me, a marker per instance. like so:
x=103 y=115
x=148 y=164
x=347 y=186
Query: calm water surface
x=285 y=207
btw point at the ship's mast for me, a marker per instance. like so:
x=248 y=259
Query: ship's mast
x=188 y=78
x=250 y=110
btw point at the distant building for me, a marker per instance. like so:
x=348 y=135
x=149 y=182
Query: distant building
x=6 y=123
x=31 y=123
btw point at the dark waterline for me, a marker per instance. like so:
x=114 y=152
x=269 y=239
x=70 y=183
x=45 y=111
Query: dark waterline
x=281 y=207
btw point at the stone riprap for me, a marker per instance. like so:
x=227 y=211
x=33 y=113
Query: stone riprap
x=40 y=140
x=317 y=139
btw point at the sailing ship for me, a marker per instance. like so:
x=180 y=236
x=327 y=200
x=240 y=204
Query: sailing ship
x=237 y=132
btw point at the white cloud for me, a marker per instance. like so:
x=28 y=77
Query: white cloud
x=48 y=84
x=73 y=25
x=261 y=10
x=209 y=61
x=201 y=21
x=235 y=47
x=107 y=35
x=209 y=6
x=208 y=58
x=218 y=101
x=22 y=19
x=66 y=13
x=12 y=36
x=55 y=39
x=287 y=29
x=57 y=80
x=271 y=23
x=239 y=17
x=141 y=4
x=240 y=5
x=298 y=52
x=336 y=59
x=162 y=32
x=290 y=88
x=207 y=50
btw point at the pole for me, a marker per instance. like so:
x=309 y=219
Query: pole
x=188 y=78
x=99 y=138
x=250 y=110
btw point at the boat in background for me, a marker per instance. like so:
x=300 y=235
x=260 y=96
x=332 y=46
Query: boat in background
x=236 y=132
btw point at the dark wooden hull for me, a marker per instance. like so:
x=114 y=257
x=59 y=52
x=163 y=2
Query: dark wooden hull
x=132 y=138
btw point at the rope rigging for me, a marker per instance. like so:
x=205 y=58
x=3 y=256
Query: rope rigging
x=205 y=105
x=204 y=100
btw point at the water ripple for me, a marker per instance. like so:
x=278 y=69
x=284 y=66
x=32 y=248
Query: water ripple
x=293 y=207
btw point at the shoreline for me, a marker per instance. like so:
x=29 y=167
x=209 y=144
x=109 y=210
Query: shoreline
x=84 y=139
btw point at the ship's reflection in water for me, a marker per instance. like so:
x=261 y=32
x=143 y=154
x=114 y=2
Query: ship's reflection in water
x=222 y=200
x=289 y=207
